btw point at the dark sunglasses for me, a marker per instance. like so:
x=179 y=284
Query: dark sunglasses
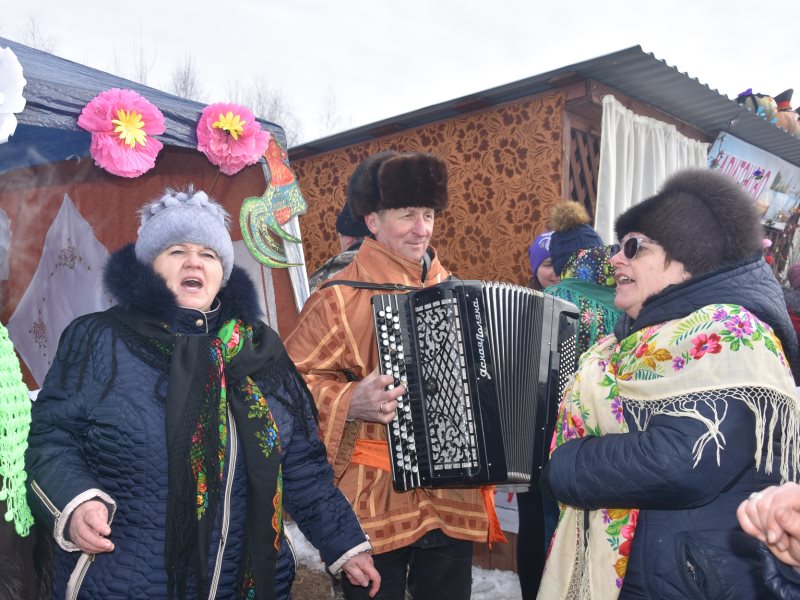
x=631 y=246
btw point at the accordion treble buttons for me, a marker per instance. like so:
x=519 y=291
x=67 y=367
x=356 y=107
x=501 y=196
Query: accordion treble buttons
x=483 y=364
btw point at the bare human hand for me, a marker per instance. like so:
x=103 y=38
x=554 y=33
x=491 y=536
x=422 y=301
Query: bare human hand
x=89 y=528
x=370 y=400
x=361 y=571
x=772 y=516
x=787 y=546
x=753 y=512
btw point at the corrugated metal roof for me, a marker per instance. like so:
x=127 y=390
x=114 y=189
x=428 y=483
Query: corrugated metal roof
x=635 y=73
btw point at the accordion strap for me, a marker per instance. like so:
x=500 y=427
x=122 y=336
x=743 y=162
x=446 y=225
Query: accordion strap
x=366 y=285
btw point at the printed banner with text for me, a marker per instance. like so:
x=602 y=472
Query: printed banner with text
x=773 y=183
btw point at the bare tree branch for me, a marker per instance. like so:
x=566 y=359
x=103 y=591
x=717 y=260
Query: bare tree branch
x=269 y=104
x=184 y=81
x=116 y=66
x=331 y=120
x=141 y=65
x=35 y=37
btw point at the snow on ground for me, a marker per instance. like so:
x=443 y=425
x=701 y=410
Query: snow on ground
x=493 y=584
x=487 y=584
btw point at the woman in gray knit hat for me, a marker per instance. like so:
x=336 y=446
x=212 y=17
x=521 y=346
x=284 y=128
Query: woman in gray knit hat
x=681 y=414
x=172 y=432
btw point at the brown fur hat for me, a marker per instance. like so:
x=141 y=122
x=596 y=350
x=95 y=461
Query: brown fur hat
x=390 y=179
x=701 y=218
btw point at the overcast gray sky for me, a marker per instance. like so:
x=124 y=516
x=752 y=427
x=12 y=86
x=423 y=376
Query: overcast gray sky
x=381 y=58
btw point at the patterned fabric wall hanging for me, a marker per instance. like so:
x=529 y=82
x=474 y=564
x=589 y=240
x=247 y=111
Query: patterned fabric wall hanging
x=505 y=171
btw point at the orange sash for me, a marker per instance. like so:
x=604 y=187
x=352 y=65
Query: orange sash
x=495 y=531
x=375 y=453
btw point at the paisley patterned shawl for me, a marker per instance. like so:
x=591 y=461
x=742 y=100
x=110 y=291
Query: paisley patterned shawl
x=717 y=352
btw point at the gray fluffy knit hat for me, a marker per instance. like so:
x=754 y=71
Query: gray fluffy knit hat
x=184 y=217
x=701 y=218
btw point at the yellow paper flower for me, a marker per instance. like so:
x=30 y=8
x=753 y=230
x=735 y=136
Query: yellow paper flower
x=129 y=126
x=231 y=123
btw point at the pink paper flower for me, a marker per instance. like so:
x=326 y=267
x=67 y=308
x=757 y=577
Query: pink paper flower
x=230 y=137
x=122 y=124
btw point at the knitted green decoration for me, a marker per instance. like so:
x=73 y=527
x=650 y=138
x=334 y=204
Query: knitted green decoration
x=15 y=420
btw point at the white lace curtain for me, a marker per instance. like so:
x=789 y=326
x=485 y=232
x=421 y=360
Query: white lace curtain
x=636 y=155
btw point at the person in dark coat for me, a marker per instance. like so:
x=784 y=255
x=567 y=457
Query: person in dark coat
x=681 y=414
x=791 y=296
x=579 y=271
x=172 y=432
x=531 y=533
x=586 y=277
x=351 y=232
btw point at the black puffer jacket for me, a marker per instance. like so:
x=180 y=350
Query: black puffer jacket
x=91 y=440
x=688 y=543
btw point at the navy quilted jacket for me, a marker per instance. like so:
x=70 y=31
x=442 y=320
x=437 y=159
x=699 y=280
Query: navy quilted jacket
x=688 y=542
x=783 y=580
x=89 y=442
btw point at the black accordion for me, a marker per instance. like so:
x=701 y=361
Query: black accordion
x=484 y=365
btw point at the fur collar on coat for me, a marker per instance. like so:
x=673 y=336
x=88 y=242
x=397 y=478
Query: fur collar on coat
x=136 y=285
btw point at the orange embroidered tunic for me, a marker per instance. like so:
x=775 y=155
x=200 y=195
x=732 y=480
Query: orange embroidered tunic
x=335 y=333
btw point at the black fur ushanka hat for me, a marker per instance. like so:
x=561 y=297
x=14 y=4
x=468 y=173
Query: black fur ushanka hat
x=390 y=179
x=701 y=218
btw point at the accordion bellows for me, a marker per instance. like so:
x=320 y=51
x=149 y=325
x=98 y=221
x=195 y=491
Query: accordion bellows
x=484 y=364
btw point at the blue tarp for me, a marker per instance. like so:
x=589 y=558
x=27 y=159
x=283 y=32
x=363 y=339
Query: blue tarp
x=57 y=90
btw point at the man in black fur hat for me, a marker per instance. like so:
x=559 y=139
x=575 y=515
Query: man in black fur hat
x=421 y=538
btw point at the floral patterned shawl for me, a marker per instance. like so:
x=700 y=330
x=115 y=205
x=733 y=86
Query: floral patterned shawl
x=718 y=352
